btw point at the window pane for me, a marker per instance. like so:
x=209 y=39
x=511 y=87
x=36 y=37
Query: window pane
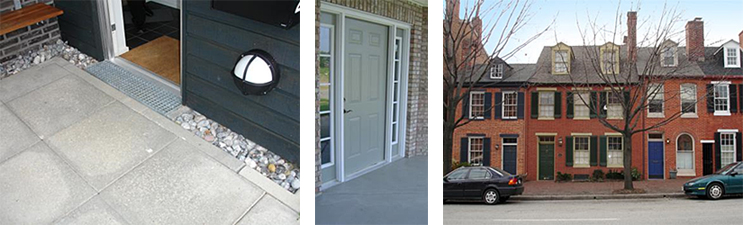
x=509 y=105
x=394 y=132
x=394 y=112
x=324 y=125
x=615 y=151
x=324 y=40
x=479 y=174
x=396 y=92
x=397 y=71
x=458 y=174
x=546 y=104
x=324 y=98
x=580 y=109
x=324 y=70
x=325 y=151
x=476 y=151
x=477 y=104
x=727 y=148
x=509 y=141
x=688 y=98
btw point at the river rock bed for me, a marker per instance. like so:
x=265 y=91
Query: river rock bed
x=37 y=56
x=256 y=157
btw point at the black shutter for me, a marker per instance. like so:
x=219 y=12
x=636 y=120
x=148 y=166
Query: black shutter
x=733 y=98
x=738 y=152
x=498 y=105
x=592 y=105
x=717 y=151
x=603 y=152
x=594 y=150
x=466 y=106
x=520 y=106
x=463 y=146
x=558 y=104
x=602 y=104
x=486 y=152
x=569 y=105
x=740 y=97
x=568 y=151
x=711 y=98
x=488 y=105
x=534 y=104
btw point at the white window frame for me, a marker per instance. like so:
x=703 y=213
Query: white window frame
x=611 y=107
x=672 y=51
x=691 y=171
x=737 y=57
x=694 y=99
x=587 y=151
x=563 y=60
x=608 y=64
x=583 y=104
x=515 y=105
x=659 y=93
x=397 y=69
x=471 y=104
x=609 y=151
x=552 y=115
x=470 y=151
x=725 y=84
x=330 y=110
x=723 y=148
x=496 y=72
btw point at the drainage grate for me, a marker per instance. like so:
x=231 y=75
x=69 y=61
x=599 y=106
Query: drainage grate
x=145 y=91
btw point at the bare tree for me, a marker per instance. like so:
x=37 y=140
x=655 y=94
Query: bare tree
x=638 y=83
x=465 y=54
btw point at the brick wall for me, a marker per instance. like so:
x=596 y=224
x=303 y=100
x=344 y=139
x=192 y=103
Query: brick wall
x=27 y=38
x=416 y=135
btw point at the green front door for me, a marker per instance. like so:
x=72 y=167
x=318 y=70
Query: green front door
x=546 y=161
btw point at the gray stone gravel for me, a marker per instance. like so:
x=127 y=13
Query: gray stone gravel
x=34 y=57
x=258 y=158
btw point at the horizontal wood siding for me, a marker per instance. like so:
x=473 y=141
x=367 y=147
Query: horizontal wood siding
x=80 y=26
x=212 y=42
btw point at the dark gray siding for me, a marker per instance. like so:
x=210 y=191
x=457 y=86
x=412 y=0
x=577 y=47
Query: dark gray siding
x=80 y=26
x=212 y=42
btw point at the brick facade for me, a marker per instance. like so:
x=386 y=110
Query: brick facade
x=416 y=135
x=28 y=38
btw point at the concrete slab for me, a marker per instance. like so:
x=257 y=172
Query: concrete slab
x=29 y=80
x=37 y=187
x=15 y=134
x=394 y=194
x=181 y=185
x=270 y=211
x=95 y=82
x=58 y=105
x=93 y=212
x=109 y=143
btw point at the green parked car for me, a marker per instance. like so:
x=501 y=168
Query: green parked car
x=728 y=180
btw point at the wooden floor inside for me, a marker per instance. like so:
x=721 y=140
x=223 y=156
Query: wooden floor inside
x=161 y=56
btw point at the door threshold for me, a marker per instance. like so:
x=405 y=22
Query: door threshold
x=147 y=75
x=366 y=170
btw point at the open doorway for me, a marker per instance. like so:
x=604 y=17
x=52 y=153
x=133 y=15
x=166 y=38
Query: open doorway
x=151 y=35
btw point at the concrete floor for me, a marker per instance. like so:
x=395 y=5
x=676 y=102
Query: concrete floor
x=394 y=194
x=626 y=211
x=76 y=151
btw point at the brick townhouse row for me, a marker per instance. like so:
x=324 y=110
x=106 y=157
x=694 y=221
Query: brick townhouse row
x=543 y=118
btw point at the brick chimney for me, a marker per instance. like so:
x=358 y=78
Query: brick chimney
x=631 y=39
x=453 y=5
x=740 y=39
x=695 y=39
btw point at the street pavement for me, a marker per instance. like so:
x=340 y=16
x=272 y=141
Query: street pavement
x=629 y=211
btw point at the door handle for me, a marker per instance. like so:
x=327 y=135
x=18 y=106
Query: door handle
x=347 y=111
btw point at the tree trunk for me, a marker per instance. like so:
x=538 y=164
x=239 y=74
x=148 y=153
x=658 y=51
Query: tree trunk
x=448 y=144
x=627 y=157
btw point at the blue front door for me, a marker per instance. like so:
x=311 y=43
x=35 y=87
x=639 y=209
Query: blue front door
x=655 y=159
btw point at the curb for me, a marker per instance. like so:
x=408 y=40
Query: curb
x=597 y=197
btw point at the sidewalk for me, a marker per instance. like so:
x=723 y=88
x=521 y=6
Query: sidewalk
x=73 y=150
x=550 y=190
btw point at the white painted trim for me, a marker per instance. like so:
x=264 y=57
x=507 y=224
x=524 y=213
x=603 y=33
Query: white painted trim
x=355 y=13
x=721 y=82
x=725 y=56
x=116 y=18
x=469 y=104
x=663 y=144
x=502 y=153
x=707 y=141
x=681 y=102
x=693 y=155
x=332 y=109
x=503 y=105
x=727 y=130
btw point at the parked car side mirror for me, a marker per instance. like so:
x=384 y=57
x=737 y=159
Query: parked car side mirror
x=446 y=179
x=733 y=173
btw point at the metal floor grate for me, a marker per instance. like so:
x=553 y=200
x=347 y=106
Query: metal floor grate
x=145 y=91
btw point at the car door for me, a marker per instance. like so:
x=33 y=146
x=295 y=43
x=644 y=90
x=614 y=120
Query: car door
x=475 y=183
x=453 y=184
x=735 y=183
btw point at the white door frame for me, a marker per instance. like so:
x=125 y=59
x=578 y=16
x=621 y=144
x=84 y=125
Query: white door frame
x=341 y=13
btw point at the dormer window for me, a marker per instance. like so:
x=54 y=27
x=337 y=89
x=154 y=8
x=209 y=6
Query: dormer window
x=609 y=58
x=732 y=58
x=496 y=72
x=669 y=56
x=561 y=57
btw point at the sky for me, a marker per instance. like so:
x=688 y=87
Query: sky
x=722 y=21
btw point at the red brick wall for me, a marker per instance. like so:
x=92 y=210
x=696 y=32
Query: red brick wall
x=493 y=128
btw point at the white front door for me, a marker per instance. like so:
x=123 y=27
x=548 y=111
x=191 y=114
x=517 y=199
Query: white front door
x=365 y=79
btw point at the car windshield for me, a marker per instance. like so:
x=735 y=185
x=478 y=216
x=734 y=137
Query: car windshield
x=726 y=168
x=501 y=172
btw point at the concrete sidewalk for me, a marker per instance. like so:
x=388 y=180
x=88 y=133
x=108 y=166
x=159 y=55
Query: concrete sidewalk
x=394 y=194
x=73 y=150
x=550 y=190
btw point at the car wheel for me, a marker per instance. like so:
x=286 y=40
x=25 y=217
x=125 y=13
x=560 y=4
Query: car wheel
x=491 y=196
x=503 y=199
x=715 y=191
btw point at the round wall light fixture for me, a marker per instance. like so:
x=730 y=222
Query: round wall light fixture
x=256 y=73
